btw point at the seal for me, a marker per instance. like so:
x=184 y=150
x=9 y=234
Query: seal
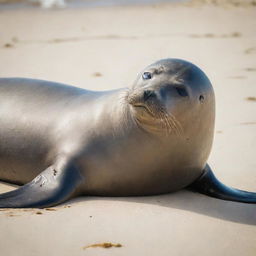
x=154 y=137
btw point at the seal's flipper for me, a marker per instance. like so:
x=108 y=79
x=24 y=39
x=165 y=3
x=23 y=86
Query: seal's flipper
x=208 y=184
x=49 y=188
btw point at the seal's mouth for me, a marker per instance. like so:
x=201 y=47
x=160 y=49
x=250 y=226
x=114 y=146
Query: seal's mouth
x=152 y=114
x=139 y=106
x=137 y=102
x=145 y=108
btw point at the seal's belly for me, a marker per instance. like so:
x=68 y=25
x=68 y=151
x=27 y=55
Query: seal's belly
x=135 y=181
x=137 y=173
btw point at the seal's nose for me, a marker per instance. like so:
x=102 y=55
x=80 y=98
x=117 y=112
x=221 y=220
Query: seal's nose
x=139 y=97
x=148 y=94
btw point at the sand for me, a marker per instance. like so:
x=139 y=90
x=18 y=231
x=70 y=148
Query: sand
x=105 y=48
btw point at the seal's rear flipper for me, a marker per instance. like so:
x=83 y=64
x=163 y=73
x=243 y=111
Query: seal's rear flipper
x=49 y=188
x=208 y=184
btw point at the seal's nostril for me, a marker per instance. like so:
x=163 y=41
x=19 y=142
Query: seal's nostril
x=148 y=94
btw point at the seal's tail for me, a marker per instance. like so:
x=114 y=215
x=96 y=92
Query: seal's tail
x=209 y=185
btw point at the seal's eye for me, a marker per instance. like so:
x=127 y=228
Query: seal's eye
x=181 y=91
x=147 y=75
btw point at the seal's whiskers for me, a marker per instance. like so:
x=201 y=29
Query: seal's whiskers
x=177 y=124
x=170 y=122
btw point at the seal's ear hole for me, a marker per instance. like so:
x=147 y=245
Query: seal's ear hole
x=201 y=98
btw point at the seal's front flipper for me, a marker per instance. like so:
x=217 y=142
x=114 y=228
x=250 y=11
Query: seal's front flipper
x=208 y=184
x=49 y=188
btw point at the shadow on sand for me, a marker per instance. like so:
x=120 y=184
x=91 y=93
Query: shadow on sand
x=192 y=202
x=187 y=201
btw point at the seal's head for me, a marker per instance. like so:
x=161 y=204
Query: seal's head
x=170 y=95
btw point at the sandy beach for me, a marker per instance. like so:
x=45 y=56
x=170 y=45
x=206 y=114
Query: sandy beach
x=102 y=48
